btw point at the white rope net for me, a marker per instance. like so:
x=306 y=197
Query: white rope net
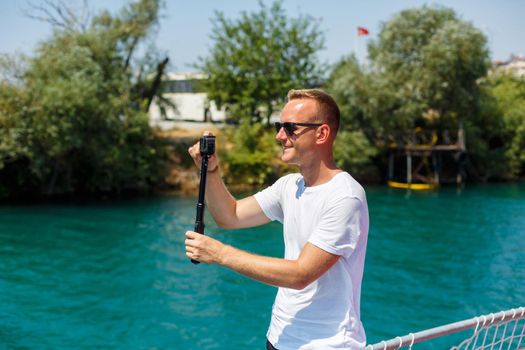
x=504 y=330
x=496 y=334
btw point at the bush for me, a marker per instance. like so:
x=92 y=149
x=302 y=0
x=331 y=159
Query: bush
x=250 y=156
x=353 y=153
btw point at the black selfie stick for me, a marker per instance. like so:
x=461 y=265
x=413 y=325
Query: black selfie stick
x=207 y=148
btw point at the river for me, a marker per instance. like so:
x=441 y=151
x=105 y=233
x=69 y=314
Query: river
x=113 y=274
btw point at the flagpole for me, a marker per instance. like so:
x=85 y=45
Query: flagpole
x=355 y=43
x=361 y=31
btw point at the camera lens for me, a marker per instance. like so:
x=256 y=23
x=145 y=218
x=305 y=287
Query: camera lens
x=207 y=145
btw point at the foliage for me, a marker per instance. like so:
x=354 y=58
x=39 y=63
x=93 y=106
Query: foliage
x=75 y=121
x=353 y=152
x=425 y=71
x=508 y=93
x=251 y=155
x=361 y=100
x=430 y=61
x=256 y=59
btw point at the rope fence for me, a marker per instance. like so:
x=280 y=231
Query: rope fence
x=504 y=330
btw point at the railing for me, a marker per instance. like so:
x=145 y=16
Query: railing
x=504 y=330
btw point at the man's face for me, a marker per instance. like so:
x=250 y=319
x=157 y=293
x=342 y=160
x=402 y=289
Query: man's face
x=299 y=145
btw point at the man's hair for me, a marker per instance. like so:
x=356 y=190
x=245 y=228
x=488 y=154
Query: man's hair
x=328 y=110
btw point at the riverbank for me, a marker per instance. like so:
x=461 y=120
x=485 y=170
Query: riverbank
x=183 y=179
x=177 y=175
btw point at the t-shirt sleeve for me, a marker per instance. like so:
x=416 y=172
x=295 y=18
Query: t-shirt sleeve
x=270 y=200
x=339 y=228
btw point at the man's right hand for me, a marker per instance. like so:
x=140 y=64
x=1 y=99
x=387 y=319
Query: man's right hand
x=213 y=161
x=227 y=211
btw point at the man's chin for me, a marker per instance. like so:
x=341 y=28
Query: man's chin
x=288 y=160
x=288 y=156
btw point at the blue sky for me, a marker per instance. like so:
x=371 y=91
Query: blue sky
x=185 y=26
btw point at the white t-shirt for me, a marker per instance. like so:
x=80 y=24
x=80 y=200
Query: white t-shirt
x=334 y=217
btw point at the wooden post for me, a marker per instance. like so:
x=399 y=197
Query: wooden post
x=459 y=176
x=461 y=138
x=391 y=165
x=409 y=167
x=435 y=165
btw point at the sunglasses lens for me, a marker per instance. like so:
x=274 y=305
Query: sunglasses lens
x=288 y=127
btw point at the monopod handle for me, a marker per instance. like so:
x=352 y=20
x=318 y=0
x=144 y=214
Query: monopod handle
x=199 y=217
x=207 y=148
x=199 y=227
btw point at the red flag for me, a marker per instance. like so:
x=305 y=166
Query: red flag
x=362 y=31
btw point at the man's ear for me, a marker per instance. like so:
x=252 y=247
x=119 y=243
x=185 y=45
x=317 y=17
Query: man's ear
x=322 y=134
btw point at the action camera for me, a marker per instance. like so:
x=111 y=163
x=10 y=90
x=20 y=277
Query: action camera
x=207 y=145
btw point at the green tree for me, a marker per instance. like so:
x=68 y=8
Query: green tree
x=354 y=152
x=75 y=118
x=425 y=70
x=430 y=61
x=361 y=95
x=252 y=156
x=257 y=58
x=508 y=94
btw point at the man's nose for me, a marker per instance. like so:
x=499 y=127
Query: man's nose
x=281 y=135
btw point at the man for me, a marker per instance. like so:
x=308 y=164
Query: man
x=325 y=219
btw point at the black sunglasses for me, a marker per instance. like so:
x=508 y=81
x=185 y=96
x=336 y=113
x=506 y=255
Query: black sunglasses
x=290 y=127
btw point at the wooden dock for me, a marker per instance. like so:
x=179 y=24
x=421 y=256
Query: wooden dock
x=423 y=159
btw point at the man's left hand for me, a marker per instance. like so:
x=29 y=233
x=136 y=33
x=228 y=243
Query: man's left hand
x=203 y=248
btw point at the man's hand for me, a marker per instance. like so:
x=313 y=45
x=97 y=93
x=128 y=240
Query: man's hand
x=203 y=248
x=195 y=153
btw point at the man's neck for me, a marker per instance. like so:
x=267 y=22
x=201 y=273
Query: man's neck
x=319 y=172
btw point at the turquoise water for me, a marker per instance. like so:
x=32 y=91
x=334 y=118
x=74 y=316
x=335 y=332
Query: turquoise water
x=113 y=275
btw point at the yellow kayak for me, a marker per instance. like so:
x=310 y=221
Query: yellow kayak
x=412 y=186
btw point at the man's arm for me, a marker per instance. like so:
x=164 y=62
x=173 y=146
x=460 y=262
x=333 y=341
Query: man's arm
x=229 y=212
x=225 y=209
x=312 y=263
